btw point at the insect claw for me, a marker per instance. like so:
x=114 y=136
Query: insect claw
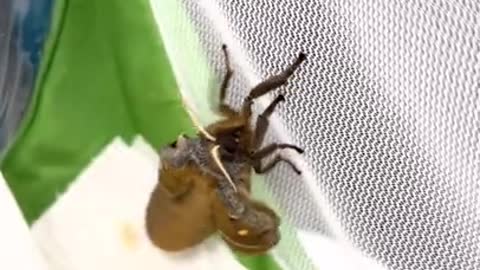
x=301 y=57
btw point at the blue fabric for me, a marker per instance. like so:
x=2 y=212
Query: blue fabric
x=24 y=25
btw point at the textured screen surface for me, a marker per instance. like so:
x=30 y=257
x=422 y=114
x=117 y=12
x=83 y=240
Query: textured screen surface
x=387 y=107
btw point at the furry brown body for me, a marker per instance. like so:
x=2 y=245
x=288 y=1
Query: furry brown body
x=198 y=199
x=177 y=221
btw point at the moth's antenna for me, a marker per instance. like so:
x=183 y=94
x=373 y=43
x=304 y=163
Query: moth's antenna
x=197 y=124
x=216 y=158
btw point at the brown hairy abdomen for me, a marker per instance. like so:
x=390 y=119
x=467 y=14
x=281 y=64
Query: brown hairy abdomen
x=175 y=224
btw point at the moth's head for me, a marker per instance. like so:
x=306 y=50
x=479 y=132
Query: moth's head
x=230 y=141
x=254 y=232
x=175 y=148
x=180 y=143
x=233 y=134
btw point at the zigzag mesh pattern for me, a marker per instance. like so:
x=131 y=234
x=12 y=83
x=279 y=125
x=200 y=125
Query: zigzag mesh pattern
x=387 y=107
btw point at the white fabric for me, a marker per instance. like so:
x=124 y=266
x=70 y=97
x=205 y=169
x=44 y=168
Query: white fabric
x=17 y=249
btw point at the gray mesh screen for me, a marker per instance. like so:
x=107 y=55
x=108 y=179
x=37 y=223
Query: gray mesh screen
x=387 y=107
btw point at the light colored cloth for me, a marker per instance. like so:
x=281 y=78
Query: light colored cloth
x=98 y=223
x=17 y=249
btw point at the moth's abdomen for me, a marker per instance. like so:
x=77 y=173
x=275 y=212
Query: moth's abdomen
x=173 y=225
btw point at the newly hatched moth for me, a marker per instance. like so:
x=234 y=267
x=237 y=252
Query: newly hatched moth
x=215 y=168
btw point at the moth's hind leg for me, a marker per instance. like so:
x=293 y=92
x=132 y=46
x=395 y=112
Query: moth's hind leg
x=224 y=108
x=270 y=84
x=268 y=150
x=269 y=166
x=263 y=122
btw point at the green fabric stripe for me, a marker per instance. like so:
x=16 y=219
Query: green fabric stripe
x=194 y=74
x=104 y=73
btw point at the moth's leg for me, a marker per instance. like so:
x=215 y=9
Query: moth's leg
x=226 y=126
x=257 y=166
x=270 y=84
x=262 y=122
x=269 y=149
x=224 y=108
x=177 y=185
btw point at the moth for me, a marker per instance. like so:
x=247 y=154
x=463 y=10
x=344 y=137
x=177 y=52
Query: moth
x=187 y=206
x=205 y=181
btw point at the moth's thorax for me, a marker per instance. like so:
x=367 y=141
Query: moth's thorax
x=198 y=151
